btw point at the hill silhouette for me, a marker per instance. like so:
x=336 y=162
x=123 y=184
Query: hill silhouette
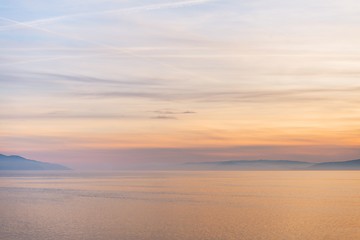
x=14 y=162
x=271 y=165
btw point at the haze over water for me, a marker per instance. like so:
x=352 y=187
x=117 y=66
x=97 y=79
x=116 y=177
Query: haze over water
x=180 y=205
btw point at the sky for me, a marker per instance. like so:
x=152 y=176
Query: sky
x=111 y=84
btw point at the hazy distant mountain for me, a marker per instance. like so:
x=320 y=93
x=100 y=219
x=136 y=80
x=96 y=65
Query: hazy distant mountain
x=272 y=165
x=346 y=165
x=250 y=165
x=19 y=163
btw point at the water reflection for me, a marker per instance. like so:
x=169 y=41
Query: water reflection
x=180 y=205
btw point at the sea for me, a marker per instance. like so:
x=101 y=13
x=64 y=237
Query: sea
x=180 y=205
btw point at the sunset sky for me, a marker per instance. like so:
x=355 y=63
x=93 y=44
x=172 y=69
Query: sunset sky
x=111 y=84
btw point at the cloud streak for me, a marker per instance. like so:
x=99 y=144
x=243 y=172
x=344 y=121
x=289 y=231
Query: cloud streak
x=151 y=7
x=27 y=78
x=114 y=49
x=310 y=94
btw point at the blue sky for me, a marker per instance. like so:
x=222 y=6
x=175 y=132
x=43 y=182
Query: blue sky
x=163 y=81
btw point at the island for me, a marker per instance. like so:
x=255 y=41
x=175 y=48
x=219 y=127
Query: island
x=14 y=162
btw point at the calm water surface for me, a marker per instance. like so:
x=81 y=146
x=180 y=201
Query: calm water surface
x=179 y=205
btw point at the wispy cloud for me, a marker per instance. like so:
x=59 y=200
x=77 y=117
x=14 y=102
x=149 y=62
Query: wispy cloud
x=264 y=95
x=151 y=7
x=170 y=113
x=47 y=59
x=164 y=117
x=62 y=78
x=96 y=80
x=108 y=47
x=173 y=112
